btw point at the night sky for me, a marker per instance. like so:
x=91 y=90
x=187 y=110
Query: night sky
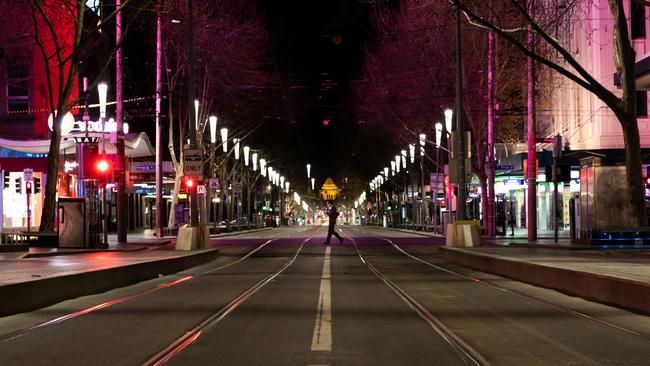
x=318 y=50
x=316 y=47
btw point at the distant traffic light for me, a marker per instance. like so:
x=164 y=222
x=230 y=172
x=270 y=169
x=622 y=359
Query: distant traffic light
x=18 y=184
x=326 y=122
x=102 y=166
x=28 y=187
x=7 y=180
x=37 y=185
x=190 y=183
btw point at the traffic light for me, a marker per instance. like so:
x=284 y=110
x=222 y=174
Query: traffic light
x=102 y=166
x=326 y=122
x=28 y=187
x=37 y=185
x=7 y=181
x=18 y=183
x=190 y=183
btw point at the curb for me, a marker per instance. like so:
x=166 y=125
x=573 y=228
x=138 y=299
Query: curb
x=39 y=293
x=234 y=233
x=620 y=292
x=80 y=251
x=431 y=235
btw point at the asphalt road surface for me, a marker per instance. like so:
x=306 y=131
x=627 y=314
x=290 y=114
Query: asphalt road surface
x=281 y=297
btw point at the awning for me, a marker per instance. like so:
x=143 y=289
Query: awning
x=136 y=145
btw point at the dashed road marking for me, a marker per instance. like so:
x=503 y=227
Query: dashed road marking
x=322 y=338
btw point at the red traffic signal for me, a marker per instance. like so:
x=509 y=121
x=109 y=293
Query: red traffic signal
x=28 y=186
x=647 y=181
x=102 y=166
x=326 y=122
x=190 y=183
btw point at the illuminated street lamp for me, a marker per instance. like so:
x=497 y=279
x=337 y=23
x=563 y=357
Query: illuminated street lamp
x=196 y=114
x=308 y=170
x=213 y=129
x=255 y=162
x=392 y=168
x=397 y=162
x=224 y=139
x=438 y=133
x=236 y=148
x=246 y=155
x=386 y=171
x=423 y=139
x=403 y=159
x=313 y=183
x=412 y=153
x=263 y=167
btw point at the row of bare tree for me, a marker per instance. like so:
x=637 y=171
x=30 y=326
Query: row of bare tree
x=408 y=78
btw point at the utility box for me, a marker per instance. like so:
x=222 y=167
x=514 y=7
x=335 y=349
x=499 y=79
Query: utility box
x=71 y=214
x=602 y=198
x=78 y=219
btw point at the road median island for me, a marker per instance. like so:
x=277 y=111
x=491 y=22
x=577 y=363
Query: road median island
x=622 y=292
x=41 y=292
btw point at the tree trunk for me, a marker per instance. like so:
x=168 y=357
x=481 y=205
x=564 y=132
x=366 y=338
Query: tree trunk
x=177 y=188
x=633 y=176
x=49 y=204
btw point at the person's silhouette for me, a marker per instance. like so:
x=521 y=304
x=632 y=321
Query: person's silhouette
x=332 y=214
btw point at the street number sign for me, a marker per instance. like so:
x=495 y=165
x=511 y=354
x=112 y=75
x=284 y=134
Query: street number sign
x=193 y=162
x=28 y=175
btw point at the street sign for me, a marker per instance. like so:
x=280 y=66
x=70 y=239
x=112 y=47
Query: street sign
x=28 y=174
x=505 y=167
x=437 y=181
x=193 y=162
x=200 y=189
x=238 y=187
x=213 y=183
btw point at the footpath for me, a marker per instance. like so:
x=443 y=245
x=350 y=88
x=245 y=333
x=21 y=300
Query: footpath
x=44 y=276
x=616 y=275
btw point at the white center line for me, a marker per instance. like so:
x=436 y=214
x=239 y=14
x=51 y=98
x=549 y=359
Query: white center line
x=322 y=338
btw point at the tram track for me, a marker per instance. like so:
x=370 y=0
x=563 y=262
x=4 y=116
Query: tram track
x=107 y=304
x=548 y=304
x=462 y=349
x=193 y=334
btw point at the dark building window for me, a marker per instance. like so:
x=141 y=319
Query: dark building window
x=641 y=104
x=638 y=19
x=17 y=89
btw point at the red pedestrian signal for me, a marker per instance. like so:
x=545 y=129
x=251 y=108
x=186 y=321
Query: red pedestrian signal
x=102 y=165
x=326 y=122
x=189 y=183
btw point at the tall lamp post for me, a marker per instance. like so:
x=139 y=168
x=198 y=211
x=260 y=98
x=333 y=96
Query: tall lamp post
x=212 y=120
x=308 y=176
x=423 y=209
x=412 y=183
x=102 y=89
x=434 y=190
x=449 y=115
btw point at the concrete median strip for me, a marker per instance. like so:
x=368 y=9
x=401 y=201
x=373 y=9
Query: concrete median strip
x=623 y=292
x=38 y=293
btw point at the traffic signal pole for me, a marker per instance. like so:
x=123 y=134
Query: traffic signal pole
x=122 y=214
x=194 y=214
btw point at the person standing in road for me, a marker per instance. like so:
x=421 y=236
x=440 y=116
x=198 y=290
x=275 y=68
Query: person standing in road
x=332 y=214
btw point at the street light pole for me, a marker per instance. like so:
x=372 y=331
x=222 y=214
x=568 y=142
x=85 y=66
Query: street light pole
x=460 y=127
x=159 y=163
x=122 y=214
x=194 y=213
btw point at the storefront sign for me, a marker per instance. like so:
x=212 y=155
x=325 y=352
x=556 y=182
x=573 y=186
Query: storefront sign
x=86 y=140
